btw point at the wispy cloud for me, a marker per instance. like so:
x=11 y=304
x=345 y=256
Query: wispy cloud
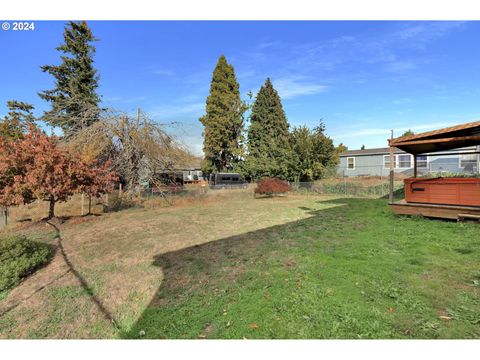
x=172 y=111
x=400 y=66
x=290 y=87
x=386 y=132
x=163 y=72
x=403 y=101
x=124 y=100
x=420 y=34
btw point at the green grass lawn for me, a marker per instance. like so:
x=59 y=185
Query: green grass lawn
x=350 y=271
x=293 y=267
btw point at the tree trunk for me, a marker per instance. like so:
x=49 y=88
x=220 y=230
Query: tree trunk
x=89 y=205
x=51 y=210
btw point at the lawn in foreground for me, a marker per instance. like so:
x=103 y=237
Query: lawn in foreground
x=294 y=267
x=349 y=271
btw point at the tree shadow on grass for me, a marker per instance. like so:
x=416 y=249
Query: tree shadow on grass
x=210 y=269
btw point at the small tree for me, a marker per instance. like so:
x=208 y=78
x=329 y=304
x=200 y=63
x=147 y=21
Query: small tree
x=95 y=181
x=34 y=167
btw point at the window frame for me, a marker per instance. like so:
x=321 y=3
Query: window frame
x=426 y=161
x=348 y=164
x=460 y=160
x=395 y=162
x=404 y=167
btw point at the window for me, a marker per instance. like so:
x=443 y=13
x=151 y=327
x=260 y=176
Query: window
x=468 y=162
x=404 y=161
x=350 y=163
x=422 y=162
x=386 y=161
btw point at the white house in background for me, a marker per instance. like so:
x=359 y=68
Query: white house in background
x=376 y=162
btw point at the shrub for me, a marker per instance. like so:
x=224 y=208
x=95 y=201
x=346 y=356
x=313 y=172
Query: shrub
x=20 y=257
x=119 y=202
x=272 y=186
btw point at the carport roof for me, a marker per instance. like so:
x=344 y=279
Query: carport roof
x=449 y=138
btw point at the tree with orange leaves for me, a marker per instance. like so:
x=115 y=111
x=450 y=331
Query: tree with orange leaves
x=34 y=167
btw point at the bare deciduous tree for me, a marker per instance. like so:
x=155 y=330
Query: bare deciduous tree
x=137 y=147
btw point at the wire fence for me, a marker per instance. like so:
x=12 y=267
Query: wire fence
x=369 y=181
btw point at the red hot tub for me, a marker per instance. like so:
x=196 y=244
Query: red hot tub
x=447 y=191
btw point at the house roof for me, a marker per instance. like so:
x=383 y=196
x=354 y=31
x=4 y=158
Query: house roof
x=374 y=151
x=449 y=138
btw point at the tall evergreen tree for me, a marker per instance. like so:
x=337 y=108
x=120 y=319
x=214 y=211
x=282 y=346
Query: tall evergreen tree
x=269 y=148
x=17 y=121
x=74 y=99
x=268 y=123
x=223 y=121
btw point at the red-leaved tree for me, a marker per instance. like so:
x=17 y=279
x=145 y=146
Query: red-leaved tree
x=36 y=168
x=96 y=181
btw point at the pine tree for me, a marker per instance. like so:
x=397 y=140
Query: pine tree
x=223 y=121
x=269 y=148
x=17 y=121
x=74 y=99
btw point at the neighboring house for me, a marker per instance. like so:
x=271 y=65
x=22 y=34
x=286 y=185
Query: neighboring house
x=177 y=174
x=376 y=162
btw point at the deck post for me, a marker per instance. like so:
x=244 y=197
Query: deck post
x=414 y=166
x=390 y=195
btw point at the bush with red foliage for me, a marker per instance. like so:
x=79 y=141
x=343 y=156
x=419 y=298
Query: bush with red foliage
x=272 y=186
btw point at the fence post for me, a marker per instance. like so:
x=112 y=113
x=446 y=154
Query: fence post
x=4 y=221
x=82 y=211
x=392 y=171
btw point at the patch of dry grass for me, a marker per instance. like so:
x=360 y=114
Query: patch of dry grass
x=115 y=253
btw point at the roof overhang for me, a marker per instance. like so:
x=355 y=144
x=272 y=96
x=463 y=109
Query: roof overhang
x=453 y=137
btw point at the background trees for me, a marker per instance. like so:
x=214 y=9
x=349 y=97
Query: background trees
x=17 y=121
x=74 y=99
x=315 y=152
x=302 y=154
x=408 y=133
x=223 y=121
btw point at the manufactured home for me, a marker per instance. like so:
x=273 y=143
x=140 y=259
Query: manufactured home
x=376 y=162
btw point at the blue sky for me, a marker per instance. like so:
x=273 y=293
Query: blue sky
x=362 y=78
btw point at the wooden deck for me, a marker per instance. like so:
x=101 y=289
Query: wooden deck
x=455 y=212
